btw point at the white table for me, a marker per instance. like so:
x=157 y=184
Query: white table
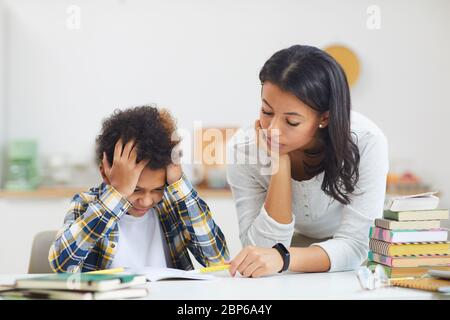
x=340 y=285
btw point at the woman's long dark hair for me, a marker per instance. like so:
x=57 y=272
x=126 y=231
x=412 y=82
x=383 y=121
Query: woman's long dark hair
x=318 y=80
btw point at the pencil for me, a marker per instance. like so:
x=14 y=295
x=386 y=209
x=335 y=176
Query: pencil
x=214 y=268
x=107 y=271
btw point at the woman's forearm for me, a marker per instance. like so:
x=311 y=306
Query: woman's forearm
x=278 y=202
x=278 y=205
x=310 y=259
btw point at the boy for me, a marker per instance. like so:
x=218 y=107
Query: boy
x=145 y=213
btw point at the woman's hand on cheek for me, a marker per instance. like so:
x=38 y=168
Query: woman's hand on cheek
x=256 y=262
x=261 y=137
x=277 y=159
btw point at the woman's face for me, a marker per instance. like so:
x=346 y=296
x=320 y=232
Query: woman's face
x=284 y=116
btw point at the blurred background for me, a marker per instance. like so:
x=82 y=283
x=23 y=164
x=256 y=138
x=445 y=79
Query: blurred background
x=66 y=65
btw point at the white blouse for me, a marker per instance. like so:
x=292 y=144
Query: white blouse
x=315 y=214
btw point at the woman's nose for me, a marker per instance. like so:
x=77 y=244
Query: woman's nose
x=274 y=128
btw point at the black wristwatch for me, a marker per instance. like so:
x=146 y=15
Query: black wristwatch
x=284 y=254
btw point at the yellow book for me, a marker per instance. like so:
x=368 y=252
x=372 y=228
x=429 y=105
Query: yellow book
x=409 y=249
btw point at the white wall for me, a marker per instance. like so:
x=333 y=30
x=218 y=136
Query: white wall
x=202 y=58
x=3 y=21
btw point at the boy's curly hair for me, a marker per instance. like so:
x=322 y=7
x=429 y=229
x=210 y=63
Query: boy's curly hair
x=150 y=127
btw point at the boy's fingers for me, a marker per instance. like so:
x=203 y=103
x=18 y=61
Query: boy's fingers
x=133 y=154
x=142 y=164
x=127 y=149
x=118 y=149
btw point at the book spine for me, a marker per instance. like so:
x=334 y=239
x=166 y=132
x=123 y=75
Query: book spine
x=381 y=223
x=381 y=234
x=387 y=270
x=408 y=225
x=379 y=247
x=375 y=257
x=391 y=215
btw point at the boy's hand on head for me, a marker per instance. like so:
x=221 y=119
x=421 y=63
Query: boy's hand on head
x=174 y=173
x=124 y=173
x=174 y=170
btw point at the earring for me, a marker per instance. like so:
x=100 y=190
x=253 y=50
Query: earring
x=320 y=126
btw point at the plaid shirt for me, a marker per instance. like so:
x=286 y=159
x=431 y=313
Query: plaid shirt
x=88 y=240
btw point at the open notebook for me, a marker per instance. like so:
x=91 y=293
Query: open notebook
x=422 y=201
x=156 y=274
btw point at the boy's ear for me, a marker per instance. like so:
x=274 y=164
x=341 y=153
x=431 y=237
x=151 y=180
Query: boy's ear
x=102 y=172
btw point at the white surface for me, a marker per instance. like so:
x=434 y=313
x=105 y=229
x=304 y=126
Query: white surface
x=202 y=58
x=340 y=285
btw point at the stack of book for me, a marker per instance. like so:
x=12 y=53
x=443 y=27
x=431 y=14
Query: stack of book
x=117 y=283
x=409 y=240
x=77 y=286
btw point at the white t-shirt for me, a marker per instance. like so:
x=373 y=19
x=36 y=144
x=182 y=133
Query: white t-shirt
x=314 y=213
x=141 y=243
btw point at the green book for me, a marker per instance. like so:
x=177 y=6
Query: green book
x=81 y=282
x=23 y=294
x=416 y=215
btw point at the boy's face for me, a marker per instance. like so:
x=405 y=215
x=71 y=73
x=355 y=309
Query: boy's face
x=148 y=192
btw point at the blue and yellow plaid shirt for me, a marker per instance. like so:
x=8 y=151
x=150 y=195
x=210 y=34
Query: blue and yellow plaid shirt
x=88 y=240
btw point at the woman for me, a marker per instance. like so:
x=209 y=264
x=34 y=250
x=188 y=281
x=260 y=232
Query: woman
x=314 y=211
